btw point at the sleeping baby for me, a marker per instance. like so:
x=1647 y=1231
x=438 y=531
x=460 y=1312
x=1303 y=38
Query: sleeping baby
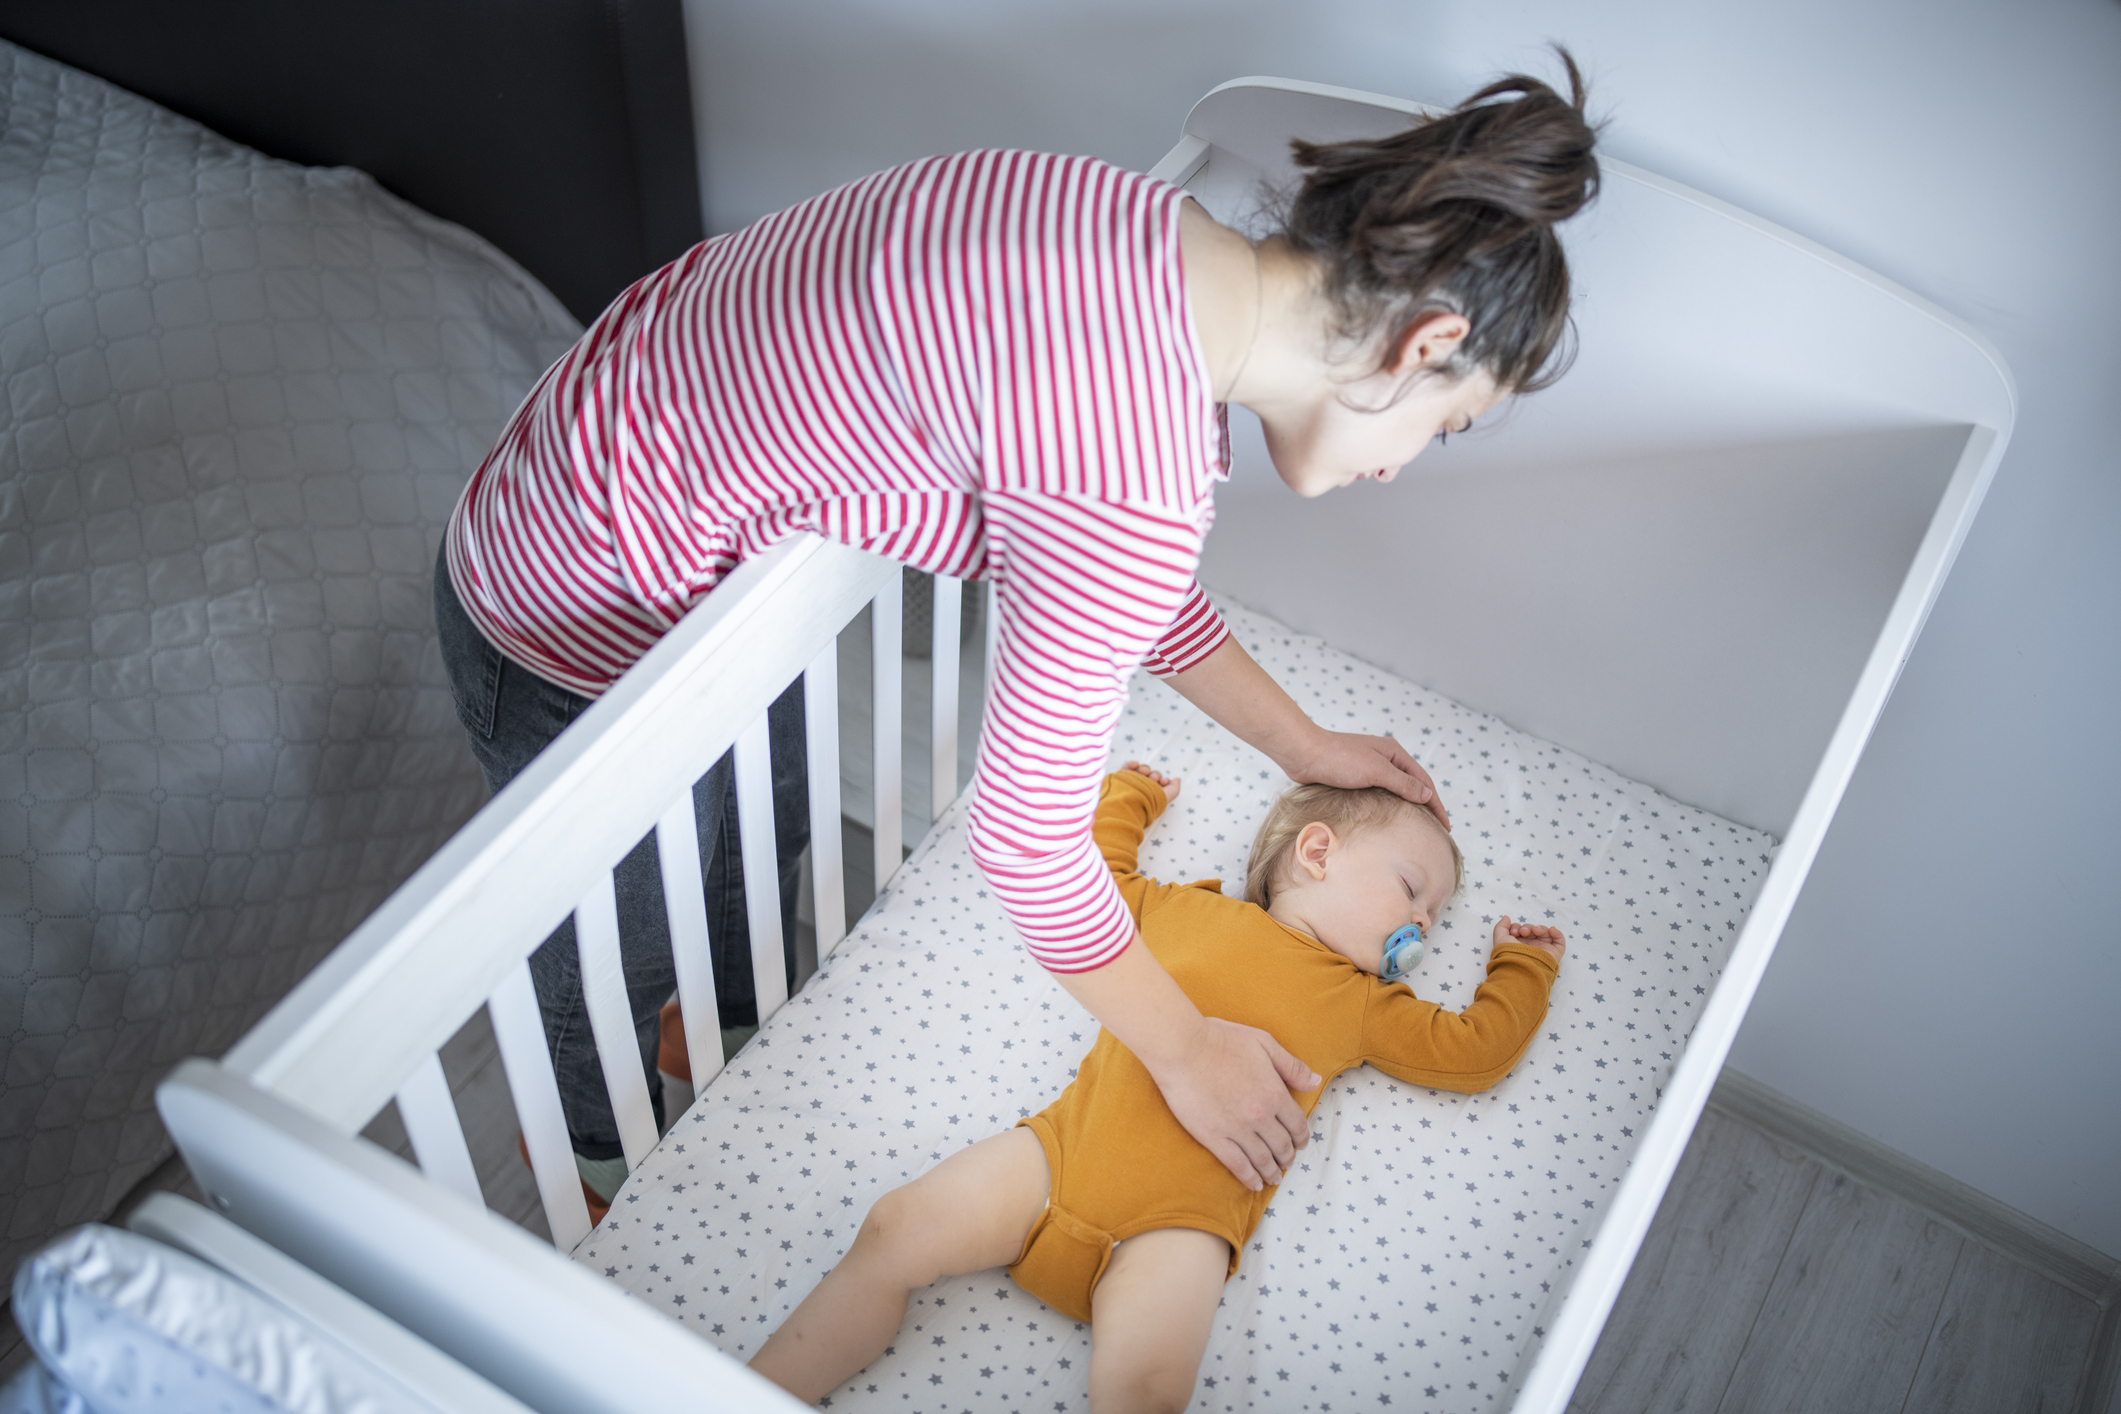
x=1102 y=1205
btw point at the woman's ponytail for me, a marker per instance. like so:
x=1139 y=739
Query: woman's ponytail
x=1456 y=214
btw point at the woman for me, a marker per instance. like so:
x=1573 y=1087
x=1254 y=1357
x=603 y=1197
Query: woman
x=1011 y=366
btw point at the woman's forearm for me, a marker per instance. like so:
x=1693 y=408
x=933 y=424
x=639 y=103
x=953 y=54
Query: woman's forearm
x=1137 y=1001
x=1236 y=691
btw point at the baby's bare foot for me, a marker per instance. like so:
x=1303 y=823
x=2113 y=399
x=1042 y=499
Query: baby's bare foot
x=1169 y=783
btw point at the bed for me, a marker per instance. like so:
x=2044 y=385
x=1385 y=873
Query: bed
x=1794 y=507
x=238 y=396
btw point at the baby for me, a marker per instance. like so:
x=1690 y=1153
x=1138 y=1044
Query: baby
x=1102 y=1205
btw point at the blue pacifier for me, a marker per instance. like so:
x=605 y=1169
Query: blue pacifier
x=1403 y=952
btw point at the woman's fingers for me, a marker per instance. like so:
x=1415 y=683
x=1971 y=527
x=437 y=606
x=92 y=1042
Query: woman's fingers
x=1238 y=1162
x=1427 y=794
x=1284 y=1130
x=1352 y=760
x=1293 y=1072
x=1269 y=1165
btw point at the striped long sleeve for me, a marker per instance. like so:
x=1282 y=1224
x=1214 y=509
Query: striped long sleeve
x=980 y=365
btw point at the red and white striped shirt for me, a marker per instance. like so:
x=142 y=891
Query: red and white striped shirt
x=980 y=365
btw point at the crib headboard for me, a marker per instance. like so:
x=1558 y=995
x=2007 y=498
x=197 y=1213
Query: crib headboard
x=560 y=130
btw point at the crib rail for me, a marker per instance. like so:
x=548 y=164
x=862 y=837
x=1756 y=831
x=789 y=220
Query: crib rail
x=547 y=1331
x=364 y=1029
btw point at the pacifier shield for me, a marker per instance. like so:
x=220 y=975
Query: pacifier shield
x=1403 y=953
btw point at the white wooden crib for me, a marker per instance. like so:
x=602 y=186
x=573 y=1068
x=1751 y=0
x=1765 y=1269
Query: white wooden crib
x=1715 y=347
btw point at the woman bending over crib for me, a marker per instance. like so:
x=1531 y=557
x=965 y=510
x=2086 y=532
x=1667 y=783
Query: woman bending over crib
x=1102 y=1205
x=1011 y=367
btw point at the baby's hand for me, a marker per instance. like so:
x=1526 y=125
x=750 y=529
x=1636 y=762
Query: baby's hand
x=1547 y=939
x=1169 y=783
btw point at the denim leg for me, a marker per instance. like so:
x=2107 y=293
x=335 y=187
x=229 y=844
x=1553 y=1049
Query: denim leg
x=511 y=715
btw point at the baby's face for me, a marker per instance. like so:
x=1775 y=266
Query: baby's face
x=1374 y=882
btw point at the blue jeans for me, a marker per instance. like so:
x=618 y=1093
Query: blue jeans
x=511 y=714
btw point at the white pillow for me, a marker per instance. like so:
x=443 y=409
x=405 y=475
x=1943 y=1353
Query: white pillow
x=133 y=1327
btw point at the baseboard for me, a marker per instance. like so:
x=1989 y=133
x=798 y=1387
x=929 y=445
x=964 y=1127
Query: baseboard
x=1968 y=1211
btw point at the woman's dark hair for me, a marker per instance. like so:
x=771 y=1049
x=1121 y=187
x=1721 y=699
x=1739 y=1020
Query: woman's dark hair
x=1456 y=214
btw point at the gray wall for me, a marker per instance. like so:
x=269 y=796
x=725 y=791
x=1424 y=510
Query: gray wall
x=1949 y=982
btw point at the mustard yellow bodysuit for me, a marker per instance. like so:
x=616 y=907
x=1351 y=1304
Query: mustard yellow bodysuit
x=1122 y=1165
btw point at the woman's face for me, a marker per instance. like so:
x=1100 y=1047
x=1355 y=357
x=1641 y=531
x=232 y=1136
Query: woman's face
x=1335 y=443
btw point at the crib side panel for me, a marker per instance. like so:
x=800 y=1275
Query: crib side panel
x=351 y=1034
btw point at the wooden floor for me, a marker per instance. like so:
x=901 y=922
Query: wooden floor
x=1770 y=1282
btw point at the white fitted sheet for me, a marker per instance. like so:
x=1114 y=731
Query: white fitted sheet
x=1423 y=1240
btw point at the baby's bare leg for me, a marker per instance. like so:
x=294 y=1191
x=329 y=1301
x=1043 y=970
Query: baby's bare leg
x=966 y=1214
x=1150 y=1319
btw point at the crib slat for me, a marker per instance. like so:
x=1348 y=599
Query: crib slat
x=596 y=935
x=677 y=846
x=519 y=1034
x=942 y=706
x=887 y=621
x=821 y=718
x=437 y=1135
x=762 y=881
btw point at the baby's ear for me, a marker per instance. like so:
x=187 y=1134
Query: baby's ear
x=1313 y=843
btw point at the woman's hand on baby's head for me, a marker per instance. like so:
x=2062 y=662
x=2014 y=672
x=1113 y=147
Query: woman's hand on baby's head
x=1169 y=783
x=1547 y=939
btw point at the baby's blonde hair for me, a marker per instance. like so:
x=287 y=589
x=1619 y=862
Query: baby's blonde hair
x=1339 y=810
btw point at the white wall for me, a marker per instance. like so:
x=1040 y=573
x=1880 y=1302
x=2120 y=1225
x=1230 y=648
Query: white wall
x=1951 y=979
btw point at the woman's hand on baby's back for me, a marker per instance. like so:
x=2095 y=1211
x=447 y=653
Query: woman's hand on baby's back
x=1230 y=1091
x=1546 y=939
x=1169 y=783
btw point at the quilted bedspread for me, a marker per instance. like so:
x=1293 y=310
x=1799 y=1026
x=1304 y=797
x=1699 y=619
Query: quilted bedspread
x=1421 y=1244
x=237 y=400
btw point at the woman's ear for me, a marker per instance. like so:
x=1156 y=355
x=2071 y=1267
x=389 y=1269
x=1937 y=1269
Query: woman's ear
x=1430 y=342
x=1313 y=843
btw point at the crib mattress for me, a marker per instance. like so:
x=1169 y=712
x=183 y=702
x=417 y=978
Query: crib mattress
x=1417 y=1251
